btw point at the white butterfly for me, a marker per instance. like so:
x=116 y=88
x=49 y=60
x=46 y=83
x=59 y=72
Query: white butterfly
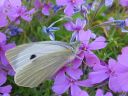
x=36 y=62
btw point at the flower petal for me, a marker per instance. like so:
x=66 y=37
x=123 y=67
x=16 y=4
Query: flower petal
x=123 y=80
x=61 y=2
x=114 y=84
x=3 y=20
x=15 y=3
x=91 y=59
x=6 y=89
x=9 y=46
x=108 y=94
x=84 y=83
x=69 y=26
x=84 y=36
x=74 y=73
x=98 y=77
x=3 y=78
x=80 y=23
x=99 y=92
x=78 y=60
x=98 y=43
x=83 y=93
x=75 y=90
x=2 y=37
x=69 y=10
x=61 y=83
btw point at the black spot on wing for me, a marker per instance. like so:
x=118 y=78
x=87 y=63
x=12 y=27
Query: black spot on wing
x=32 y=56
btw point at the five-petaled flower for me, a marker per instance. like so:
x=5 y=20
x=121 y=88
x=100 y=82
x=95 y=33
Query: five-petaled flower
x=70 y=5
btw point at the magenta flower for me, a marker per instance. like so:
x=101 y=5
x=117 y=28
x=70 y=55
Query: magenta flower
x=100 y=92
x=63 y=82
x=70 y=5
x=45 y=7
x=124 y=3
x=87 y=47
x=3 y=48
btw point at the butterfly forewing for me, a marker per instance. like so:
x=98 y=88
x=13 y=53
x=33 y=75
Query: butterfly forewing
x=36 y=62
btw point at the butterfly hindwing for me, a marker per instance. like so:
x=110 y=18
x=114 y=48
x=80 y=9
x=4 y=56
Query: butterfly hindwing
x=41 y=69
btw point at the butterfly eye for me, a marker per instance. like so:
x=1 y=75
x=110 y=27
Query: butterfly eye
x=33 y=56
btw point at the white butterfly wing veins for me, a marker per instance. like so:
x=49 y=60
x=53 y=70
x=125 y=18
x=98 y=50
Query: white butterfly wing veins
x=36 y=62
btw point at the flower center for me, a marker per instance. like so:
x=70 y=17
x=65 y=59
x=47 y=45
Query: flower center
x=0 y=49
x=83 y=48
x=73 y=1
x=77 y=29
x=111 y=72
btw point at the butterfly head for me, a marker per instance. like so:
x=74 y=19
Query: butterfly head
x=75 y=46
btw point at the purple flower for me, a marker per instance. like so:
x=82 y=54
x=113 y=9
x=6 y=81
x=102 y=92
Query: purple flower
x=15 y=10
x=4 y=89
x=5 y=68
x=70 y=5
x=122 y=60
x=45 y=7
x=3 y=48
x=13 y=30
x=87 y=47
x=124 y=3
x=99 y=92
x=63 y=82
x=75 y=27
x=114 y=72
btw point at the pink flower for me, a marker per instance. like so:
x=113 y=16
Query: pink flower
x=99 y=92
